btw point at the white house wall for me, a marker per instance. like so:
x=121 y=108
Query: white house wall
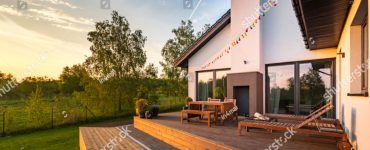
x=206 y=54
x=354 y=111
x=249 y=49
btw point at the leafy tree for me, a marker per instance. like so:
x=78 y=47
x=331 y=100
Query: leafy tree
x=36 y=109
x=29 y=84
x=204 y=30
x=142 y=92
x=184 y=37
x=71 y=78
x=7 y=86
x=312 y=87
x=151 y=71
x=115 y=47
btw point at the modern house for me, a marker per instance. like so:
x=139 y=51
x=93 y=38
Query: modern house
x=287 y=57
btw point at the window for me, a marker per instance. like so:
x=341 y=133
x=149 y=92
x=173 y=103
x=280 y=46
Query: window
x=281 y=89
x=365 y=55
x=298 y=87
x=211 y=84
x=205 y=85
x=359 y=53
x=221 y=84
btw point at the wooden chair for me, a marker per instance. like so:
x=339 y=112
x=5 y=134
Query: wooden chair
x=192 y=113
x=235 y=114
x=211 y=108
x=300 y=127
x=214 y=100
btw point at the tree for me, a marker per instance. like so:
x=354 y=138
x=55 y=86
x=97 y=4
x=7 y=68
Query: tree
x=151 y=71
x=184 y=37
x=36 y=108
x=312 y=88
x=71 y=78
x=116 y=48
x=205 y=28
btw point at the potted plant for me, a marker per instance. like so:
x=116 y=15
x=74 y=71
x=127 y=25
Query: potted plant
x=142 y=114
x=148 y=114
x=154 y=109
x=187 y=100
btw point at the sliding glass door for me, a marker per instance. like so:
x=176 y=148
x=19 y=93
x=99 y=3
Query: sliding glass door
x=299 y=87
x=205 y=85
x=212 y=84
x=281 y=89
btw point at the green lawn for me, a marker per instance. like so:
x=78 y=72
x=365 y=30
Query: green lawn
x=54 y=139
x=64 y=138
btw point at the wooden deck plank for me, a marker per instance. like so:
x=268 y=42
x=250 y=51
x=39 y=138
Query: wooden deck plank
x=95 y=138
x=227 y=135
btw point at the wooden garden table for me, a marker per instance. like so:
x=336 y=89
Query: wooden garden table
x=223 y=107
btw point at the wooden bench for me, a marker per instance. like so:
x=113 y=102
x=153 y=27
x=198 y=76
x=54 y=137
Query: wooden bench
x=191 y=113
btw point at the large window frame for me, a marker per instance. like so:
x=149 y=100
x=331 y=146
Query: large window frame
x=365 y=55
x=297 y=81
x=214 y=71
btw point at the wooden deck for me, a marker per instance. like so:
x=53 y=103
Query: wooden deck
x=110 y=136
x=167 y=127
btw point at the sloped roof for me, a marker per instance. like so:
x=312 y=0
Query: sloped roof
x=182 y=61
x=321 y=21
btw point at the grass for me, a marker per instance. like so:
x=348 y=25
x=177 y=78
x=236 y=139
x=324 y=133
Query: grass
x=22 y=137
x=169 y=103
x=53 y=139
x=65 y=138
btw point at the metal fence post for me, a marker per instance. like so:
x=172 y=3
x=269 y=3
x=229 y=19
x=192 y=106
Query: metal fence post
x=52 y=117
x=3 y=123
x=85 y=114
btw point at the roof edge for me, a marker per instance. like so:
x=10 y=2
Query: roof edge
x=220 y=24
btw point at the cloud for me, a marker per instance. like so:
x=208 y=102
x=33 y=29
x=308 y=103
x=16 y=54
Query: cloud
x=57 y=17
x=60 y=2
x=202 y=17
x=70 y=27
x=9 y=9
x=21 y=47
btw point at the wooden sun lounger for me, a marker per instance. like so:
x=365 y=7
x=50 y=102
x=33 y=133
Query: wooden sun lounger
x=297 y=117
x=333 y=123
x=300 y=128
x=191 y=113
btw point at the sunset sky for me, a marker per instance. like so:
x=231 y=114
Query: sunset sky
x=48 y=35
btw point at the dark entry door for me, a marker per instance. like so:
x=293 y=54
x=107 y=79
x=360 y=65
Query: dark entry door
x=241 y=94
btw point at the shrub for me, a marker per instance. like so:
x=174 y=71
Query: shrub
x=10 y=124
x=152 y=99
x=142 y=92
x=36 y=109
x=140 y=106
